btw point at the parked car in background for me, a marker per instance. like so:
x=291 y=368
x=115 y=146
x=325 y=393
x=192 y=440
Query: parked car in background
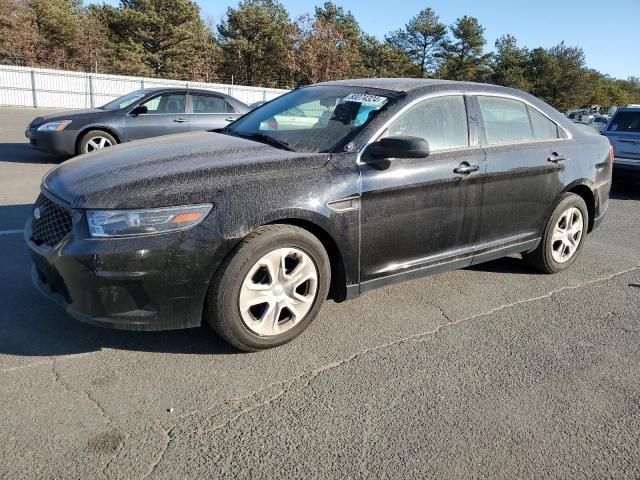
x=599 y=122
x=586 y=127
x=623 y=132
x=292 y=119
x=251 y=228
x=141 y=114
x=576 y=114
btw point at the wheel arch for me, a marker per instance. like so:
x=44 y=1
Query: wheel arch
x=338 y=286
x=311 y=221
x=83 y=132
x=584 y=190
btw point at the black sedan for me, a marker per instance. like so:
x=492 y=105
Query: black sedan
x=141 y=114
x=330 y=191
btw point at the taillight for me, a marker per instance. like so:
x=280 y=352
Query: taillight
x=611 y=154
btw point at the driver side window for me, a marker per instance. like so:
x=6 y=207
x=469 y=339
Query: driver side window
x=441 y=121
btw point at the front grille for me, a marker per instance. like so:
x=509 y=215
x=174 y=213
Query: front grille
x=50 y=223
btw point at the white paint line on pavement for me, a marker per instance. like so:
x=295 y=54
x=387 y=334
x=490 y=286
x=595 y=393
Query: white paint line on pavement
x=11 y=232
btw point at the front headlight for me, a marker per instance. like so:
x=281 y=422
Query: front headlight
x=129 y=223
x=56 y=126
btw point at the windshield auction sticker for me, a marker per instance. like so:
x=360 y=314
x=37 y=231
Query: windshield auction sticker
x=365 y=98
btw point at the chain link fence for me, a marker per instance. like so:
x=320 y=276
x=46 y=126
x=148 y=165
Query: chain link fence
x=40 y=87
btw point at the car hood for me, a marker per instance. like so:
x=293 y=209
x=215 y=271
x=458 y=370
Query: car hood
x=67 y=115
x=179 y=169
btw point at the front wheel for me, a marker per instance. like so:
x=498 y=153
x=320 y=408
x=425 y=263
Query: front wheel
x=270 y=288
x=96 y=140
x=563 y=236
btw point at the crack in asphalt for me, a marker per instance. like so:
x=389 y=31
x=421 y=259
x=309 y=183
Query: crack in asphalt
x=67 y=386
x=168 y=435
x=115 y=453
x=58 y=378
x=442 y=312
x=313 y=374
x=453 y=287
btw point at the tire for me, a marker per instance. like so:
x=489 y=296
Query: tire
x=95 y=140
x=246 y=271
x=547 y=257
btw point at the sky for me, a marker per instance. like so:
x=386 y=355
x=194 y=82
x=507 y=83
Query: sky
x=608 y=33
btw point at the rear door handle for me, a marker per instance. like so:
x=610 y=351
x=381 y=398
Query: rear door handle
x=465 y=169
x=555 y=158
x=179 y=120
x=229 y=119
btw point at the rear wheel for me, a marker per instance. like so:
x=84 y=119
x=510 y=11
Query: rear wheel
x=96 y=140
x=563 y=236
x=270 y=289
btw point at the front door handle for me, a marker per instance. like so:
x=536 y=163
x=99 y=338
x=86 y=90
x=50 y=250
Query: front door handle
x=229 y=119
x=555 y=158
x=179 y=120
x=465 y=169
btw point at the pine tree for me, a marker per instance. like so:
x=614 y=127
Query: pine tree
x=383 y=59
x=510 y=63
x=18 y=36
x=163 y=38
x=464 y=57
x=422 y=40
x=59 y=33
x=571 y=86
x=344 y=21
x=257 y=44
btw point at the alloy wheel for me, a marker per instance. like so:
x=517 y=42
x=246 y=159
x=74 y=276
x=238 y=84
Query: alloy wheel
x=278 y=291
x=98 y=143
x=567 y=235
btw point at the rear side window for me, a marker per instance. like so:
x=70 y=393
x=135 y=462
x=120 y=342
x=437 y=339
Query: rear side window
x=505 y=120
x=210 y=104
x=441 y=121
x=625 y=122
x=543 y=128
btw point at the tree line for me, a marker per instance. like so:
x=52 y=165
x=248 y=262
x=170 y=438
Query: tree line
x=257 y=43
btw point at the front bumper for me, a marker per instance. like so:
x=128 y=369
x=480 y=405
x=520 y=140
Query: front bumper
x=54 y=142
x=139 y=283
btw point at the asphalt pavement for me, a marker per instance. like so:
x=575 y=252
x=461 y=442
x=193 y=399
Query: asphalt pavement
x=494 y=371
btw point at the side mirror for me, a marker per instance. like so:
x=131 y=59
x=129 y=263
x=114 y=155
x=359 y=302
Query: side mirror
x=139 y=110
x=398 y=147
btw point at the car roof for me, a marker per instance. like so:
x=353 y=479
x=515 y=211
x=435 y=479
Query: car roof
x=409 y=84
x=419 y=86
x=181 y=89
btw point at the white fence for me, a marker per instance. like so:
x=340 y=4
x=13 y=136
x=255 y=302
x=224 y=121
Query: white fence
x=39 y=87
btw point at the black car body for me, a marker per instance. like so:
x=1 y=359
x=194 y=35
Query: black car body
x=380 y=219
x=141 y=114
x=623 y=131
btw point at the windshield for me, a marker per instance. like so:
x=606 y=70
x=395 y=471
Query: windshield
x=312 y=119
x=124 y=101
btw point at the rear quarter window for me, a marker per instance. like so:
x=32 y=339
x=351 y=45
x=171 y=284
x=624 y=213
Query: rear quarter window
x=543 y=128
x=625 y=122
